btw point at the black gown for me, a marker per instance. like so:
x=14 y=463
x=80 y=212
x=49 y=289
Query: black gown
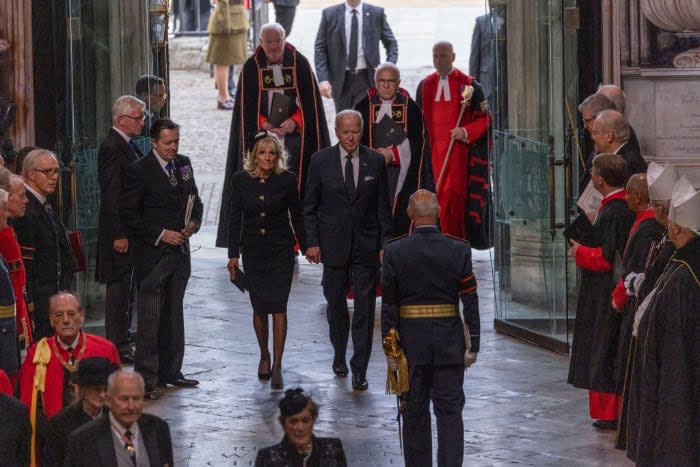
x=260 y=229
x=597 y=324
x=668 y=375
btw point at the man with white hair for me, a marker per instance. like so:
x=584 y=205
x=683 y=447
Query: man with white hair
x=43 y=239
x=668 y=337
x=125 y=436
x=277 y=92
x=114 y=265
x=395 y=129
x=611 y=134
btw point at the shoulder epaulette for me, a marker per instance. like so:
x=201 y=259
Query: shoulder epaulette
x=456 y=238
x=395 y=238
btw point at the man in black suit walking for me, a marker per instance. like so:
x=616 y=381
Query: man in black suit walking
x=347 y=50
x=124 y=436
x=162 y=209
x=114 y=266
x=43 y=239
x=15 y=432
x=347 y=217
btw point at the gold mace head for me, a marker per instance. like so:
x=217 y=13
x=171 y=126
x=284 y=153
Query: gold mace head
x=467 y=94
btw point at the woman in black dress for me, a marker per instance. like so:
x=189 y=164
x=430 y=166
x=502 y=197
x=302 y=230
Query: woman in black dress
x=300 y=447
x=264 y=199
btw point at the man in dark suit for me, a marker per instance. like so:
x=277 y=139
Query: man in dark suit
x=92 y=386
x=424 y=276
x=124 y=436
x=347 y=217
x=114 y=266
x=284 y=13
x=481 y=61
x=347 y=50
x=161 y=208
x=43 y=239
x=15 y=432
x=151 y=90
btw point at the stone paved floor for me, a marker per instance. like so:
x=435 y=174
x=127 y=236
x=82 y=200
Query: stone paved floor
x=519 y=410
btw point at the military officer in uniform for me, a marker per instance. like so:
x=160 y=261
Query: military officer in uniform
x=424 y=275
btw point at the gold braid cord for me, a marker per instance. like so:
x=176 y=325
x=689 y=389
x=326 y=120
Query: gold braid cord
x=41 y=360
x=396 y=381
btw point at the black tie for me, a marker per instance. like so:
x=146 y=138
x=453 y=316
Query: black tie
x=71 y=359
x=134 y=149
x=352 y=56
x=349 y=177
x=129 y=446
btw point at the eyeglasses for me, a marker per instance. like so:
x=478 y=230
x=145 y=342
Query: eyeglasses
x=390 y=82
x=141 y=118
x=48 y=172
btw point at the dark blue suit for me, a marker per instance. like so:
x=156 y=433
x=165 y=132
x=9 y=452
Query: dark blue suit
x=350 y=232
x=430 y=268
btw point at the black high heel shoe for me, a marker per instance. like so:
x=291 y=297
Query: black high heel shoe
x=277 y=381
x=268 y=374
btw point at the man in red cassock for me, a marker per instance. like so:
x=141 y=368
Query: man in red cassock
x=45 y=386
x=462 y=192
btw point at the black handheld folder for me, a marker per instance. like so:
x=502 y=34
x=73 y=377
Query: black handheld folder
x=387 y=133
x=241 y=281
x=579 y=229
x=279 y=110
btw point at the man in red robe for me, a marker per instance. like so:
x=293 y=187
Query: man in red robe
x=45 y=386
x=9 y=249
x=463 y=189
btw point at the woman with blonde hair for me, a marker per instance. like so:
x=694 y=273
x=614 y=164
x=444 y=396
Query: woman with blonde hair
x=264 y=197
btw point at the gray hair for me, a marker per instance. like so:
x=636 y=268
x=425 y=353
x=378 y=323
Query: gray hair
x=595 y=104
x=424 y=203
x=3 y=197
x=274 y=27
x=112 y=379
x=5 y=177
x=387 y=66
x=347 y=113
x=125 y=104
x=615 y=93
x=614 y=121
x=33 y=157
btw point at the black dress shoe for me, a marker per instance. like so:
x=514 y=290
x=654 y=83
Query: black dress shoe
x=155 y=392
x=182 y=381
x=605 y=424
x=340 y=369
x=359 y=383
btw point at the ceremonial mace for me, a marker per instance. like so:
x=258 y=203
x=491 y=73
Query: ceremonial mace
x=466 y=101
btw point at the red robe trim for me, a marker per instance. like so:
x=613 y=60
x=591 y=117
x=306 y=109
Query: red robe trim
x=9 y=249
x=604 y=405
x=440 y=118
x=592 y=258
x=5 y=384
x=620 y=293
x=52 y=397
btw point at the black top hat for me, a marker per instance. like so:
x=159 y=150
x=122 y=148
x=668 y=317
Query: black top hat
x=94 y=371
x=293 y=402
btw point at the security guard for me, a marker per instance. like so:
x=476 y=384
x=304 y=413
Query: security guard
x=423 y=275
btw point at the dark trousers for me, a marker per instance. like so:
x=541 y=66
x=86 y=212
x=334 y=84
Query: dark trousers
x=284 y=15
x=160 y=333
x=118 y=300
x=336 y=282
x=354 y=89
x=442 y=385
x=40 y=315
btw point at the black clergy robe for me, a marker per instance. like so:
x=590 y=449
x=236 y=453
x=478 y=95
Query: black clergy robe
x=413 y=170
x=597 y=325
x=251 y=107
x=668 y=346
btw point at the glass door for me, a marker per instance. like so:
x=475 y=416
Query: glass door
x=536 y=84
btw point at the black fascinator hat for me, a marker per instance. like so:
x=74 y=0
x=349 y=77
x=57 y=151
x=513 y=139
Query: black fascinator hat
x=293 y=402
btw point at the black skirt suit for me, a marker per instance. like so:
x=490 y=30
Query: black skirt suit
x=265 y=217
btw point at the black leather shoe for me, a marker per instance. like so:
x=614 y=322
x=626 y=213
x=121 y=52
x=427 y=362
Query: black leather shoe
x=182 y=381
x=605 y=424
x=359 y=383
x=340 y=369
x=155 y=392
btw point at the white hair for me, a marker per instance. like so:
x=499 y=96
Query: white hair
x=272 y=26
x=387 y=66
x=33 y=157
x=3 y=197
x=125 y=104
x=112 y=379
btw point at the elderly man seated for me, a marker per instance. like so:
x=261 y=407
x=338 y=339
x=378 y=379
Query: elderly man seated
x=45 y=377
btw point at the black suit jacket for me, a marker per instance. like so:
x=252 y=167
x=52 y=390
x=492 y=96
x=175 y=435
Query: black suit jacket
x=150 y=204
x=339 y=224
x=59 y=429
x=92 y=445
x=113 y=157
x=15 y=432
x=44 y=245
x=330 y=49
x=430 y=268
